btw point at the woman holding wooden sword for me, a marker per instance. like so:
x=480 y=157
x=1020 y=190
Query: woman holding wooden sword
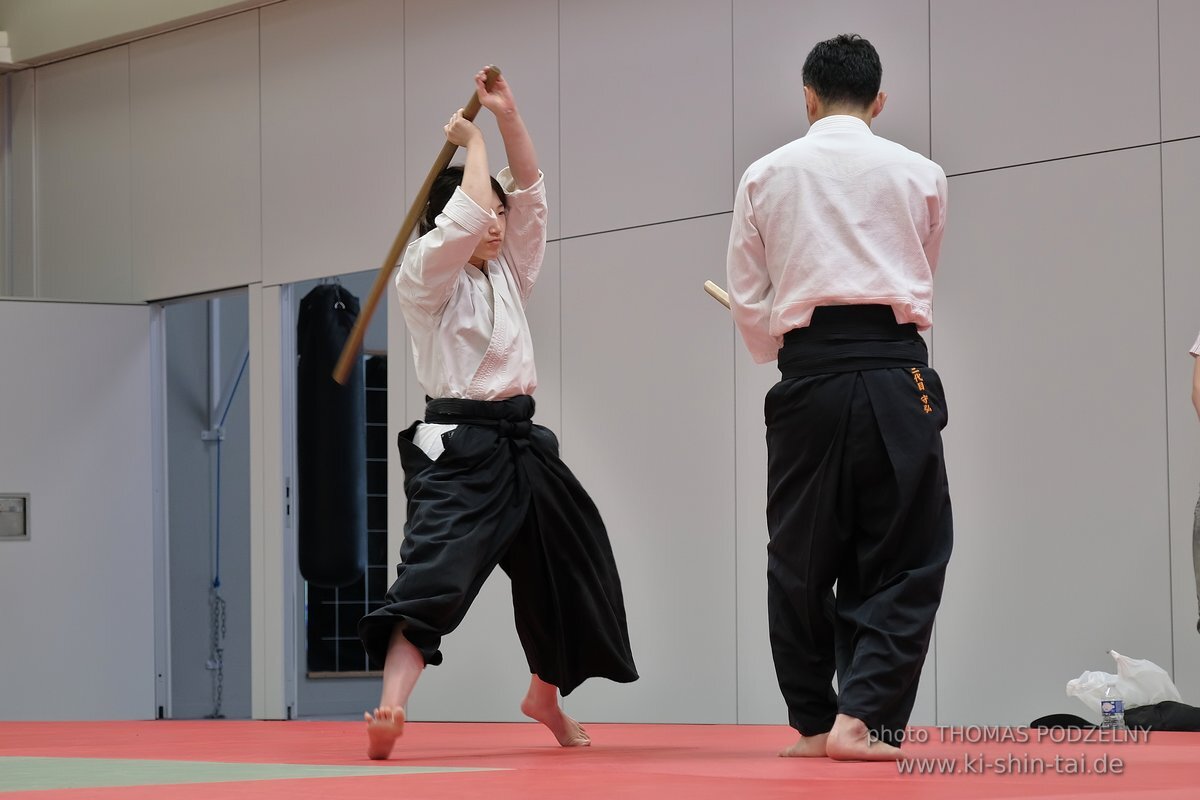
x=485 y=486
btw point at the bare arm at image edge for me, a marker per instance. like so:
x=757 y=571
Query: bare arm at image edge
x=1195 y=351
x=1196 y=384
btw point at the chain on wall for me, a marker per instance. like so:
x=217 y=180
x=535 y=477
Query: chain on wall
x=216 y=649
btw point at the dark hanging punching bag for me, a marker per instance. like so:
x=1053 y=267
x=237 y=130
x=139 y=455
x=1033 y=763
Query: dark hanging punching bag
x=331 y=493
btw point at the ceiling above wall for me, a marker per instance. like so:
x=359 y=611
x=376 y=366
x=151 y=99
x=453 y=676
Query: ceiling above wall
x=40 y=32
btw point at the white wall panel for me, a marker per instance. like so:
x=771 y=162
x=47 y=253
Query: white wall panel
x=195 y=176
x=445 y=44
x=1181 y=238
x=83 y=229
x=647 y=104
x=1028 y=80
x=332 y=142
x=1049 y=339
x=1179 y=30
x=771 y=39
x=19 y=173
x=76 y=434
x=647 y=411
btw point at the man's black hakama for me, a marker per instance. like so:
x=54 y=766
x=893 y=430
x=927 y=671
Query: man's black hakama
x=500 y=495
x=857 y=495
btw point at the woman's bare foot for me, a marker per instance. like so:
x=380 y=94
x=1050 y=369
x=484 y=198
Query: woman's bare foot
x=541 y=704
x=383 y=729
x=808 y=747
x=851 y=741
x=568 y=732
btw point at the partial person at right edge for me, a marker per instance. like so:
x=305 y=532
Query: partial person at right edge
x=834 y=243
x=1196 y=518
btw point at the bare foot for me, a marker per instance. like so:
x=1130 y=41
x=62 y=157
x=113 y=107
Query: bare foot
x=383 y=729
x=568 y=732
x=807 y=747
x=851 y=741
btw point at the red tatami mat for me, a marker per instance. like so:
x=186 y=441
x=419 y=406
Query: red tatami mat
x=699 y=762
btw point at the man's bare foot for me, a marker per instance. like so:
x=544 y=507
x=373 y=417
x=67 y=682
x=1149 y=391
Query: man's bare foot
x=383 y=729
x=851 y=741
x=808 y=747
x=568 y=732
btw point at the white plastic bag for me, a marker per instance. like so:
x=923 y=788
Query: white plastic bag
x=1138 y=682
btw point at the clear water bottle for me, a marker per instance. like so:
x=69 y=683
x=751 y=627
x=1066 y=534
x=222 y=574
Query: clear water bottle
x=1112 y=709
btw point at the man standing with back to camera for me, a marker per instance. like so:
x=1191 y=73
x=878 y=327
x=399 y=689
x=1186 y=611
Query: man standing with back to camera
x=834 y=243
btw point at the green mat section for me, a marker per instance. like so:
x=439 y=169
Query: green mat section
x=19 y=773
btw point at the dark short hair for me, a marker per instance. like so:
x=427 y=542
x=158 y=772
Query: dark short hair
x=443 y=188
x=844 y=69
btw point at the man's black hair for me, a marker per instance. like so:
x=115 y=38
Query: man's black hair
x=844 y=70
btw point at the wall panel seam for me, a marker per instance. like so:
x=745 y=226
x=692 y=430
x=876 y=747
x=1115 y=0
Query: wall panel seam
x=261 y=192
x=639 y=226
x=34 y=265
x=1066 y=158
x=1162 y=225
x=6 y=227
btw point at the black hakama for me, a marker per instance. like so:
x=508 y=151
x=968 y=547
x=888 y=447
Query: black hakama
x=500 y=494
x=857 y=495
